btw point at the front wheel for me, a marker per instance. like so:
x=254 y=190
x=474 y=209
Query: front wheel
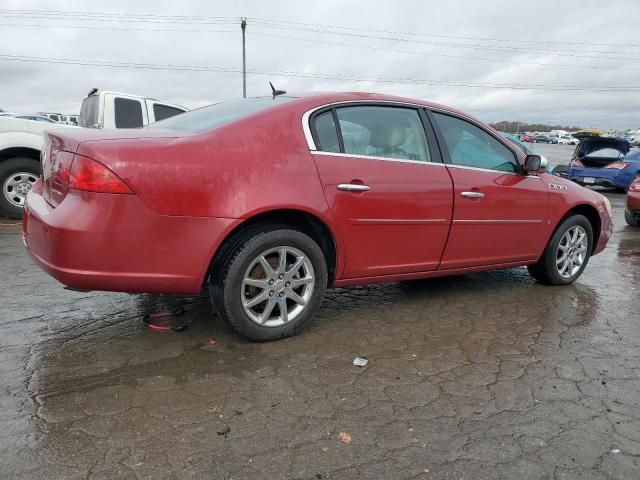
x=567 y=253
x=271 y=284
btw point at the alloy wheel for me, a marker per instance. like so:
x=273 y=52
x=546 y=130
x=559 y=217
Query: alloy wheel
x=277 y=286
x=572 y=251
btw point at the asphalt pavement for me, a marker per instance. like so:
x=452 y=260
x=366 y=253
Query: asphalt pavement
x=481 y=376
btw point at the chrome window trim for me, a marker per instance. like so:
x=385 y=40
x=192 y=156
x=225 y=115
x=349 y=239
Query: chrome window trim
x=306 y=128
x=371 y=157
x=465 y=167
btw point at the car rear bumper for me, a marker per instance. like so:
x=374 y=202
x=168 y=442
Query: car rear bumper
x=97 y=241
x=603 y=177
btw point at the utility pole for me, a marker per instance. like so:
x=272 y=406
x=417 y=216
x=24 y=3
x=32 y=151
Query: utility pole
x=243 y=26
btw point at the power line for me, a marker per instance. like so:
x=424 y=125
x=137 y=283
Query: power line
x=458 y=37
x=445 y=55
x=341 y=77
x=555 y=52
x=109 y=28
x=327 y=42
x=60 y=14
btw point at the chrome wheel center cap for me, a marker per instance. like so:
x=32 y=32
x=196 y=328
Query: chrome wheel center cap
x=279 y=287
x=23 y=188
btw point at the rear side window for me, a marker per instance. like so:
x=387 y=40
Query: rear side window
x=470 y=146
x=128 y=113
x=326 y=135
x=383 y=132
x=160 y=112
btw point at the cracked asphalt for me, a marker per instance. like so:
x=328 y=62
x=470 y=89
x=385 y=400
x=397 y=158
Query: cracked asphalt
x=475 y=377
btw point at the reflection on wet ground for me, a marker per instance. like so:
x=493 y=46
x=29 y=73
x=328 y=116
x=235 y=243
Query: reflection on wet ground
x=483 y=376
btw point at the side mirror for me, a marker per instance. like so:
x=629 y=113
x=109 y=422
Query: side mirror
x=533 y=164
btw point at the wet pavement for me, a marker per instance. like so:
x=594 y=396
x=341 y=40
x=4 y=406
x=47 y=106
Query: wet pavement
x=475 y=377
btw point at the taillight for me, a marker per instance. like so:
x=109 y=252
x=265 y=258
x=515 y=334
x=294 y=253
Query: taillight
x=576 y=163
x=89 y=175
x=617 y=165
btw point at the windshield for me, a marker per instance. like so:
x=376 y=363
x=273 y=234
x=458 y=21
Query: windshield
x=89 y=112
x=214 y=116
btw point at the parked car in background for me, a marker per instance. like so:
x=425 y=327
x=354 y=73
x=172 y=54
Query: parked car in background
x=279 y=198
x=604 y=161
x=37 y=118
x=122 y=110
x=525 y=137
x=566 y=140
x=56 y=117
x=541 y=139
x=632 y=204
x=70 y=119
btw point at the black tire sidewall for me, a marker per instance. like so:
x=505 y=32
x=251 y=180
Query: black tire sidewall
x=549 y=265
x=237 y=266
x=7 y=168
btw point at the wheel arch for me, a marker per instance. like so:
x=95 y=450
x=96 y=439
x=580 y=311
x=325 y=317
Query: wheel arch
x=591 y=213
x=306 y=222
x=13 y=152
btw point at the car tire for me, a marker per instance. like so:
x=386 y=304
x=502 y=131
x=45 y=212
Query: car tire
x=241 y=277
x=549 y=268
x=19 y=172
x=630 y=219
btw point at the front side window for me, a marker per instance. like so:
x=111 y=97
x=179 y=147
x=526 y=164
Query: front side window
x=128 y=113
x=471 y=146
x=389 y=132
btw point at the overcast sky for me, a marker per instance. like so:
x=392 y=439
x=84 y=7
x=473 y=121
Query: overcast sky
x=469 y=42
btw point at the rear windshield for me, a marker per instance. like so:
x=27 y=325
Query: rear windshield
x=214 y=116
x=89 y=112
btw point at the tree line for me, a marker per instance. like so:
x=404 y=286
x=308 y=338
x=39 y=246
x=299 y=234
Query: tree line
x=514 y=127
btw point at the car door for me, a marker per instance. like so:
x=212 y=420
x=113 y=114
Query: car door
x=500 y=214
x=386 y=186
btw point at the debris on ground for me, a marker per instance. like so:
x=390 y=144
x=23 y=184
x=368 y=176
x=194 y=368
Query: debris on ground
x=344 y=437
x=225 y=431
x=615 y=450
x=152 y=321
x=360 y=361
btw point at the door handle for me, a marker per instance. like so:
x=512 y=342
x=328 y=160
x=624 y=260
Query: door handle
x=472 y=194
x=352 y=187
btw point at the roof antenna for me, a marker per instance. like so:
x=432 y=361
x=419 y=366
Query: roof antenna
x=276 y=92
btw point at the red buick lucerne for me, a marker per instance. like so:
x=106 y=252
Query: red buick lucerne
x=267 y=202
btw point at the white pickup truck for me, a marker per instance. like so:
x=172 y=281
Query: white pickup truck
x=21 y=140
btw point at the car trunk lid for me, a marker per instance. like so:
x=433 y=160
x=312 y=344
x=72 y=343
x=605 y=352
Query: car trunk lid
x=598 y=152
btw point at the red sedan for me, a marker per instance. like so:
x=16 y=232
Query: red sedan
x=632 y=210
x=266 y=202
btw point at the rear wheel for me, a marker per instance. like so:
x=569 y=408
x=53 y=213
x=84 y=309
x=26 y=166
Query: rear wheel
x=271 y=283
x=567 y=253
x=17 y=176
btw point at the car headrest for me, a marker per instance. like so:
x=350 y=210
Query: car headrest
x=385 y=137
